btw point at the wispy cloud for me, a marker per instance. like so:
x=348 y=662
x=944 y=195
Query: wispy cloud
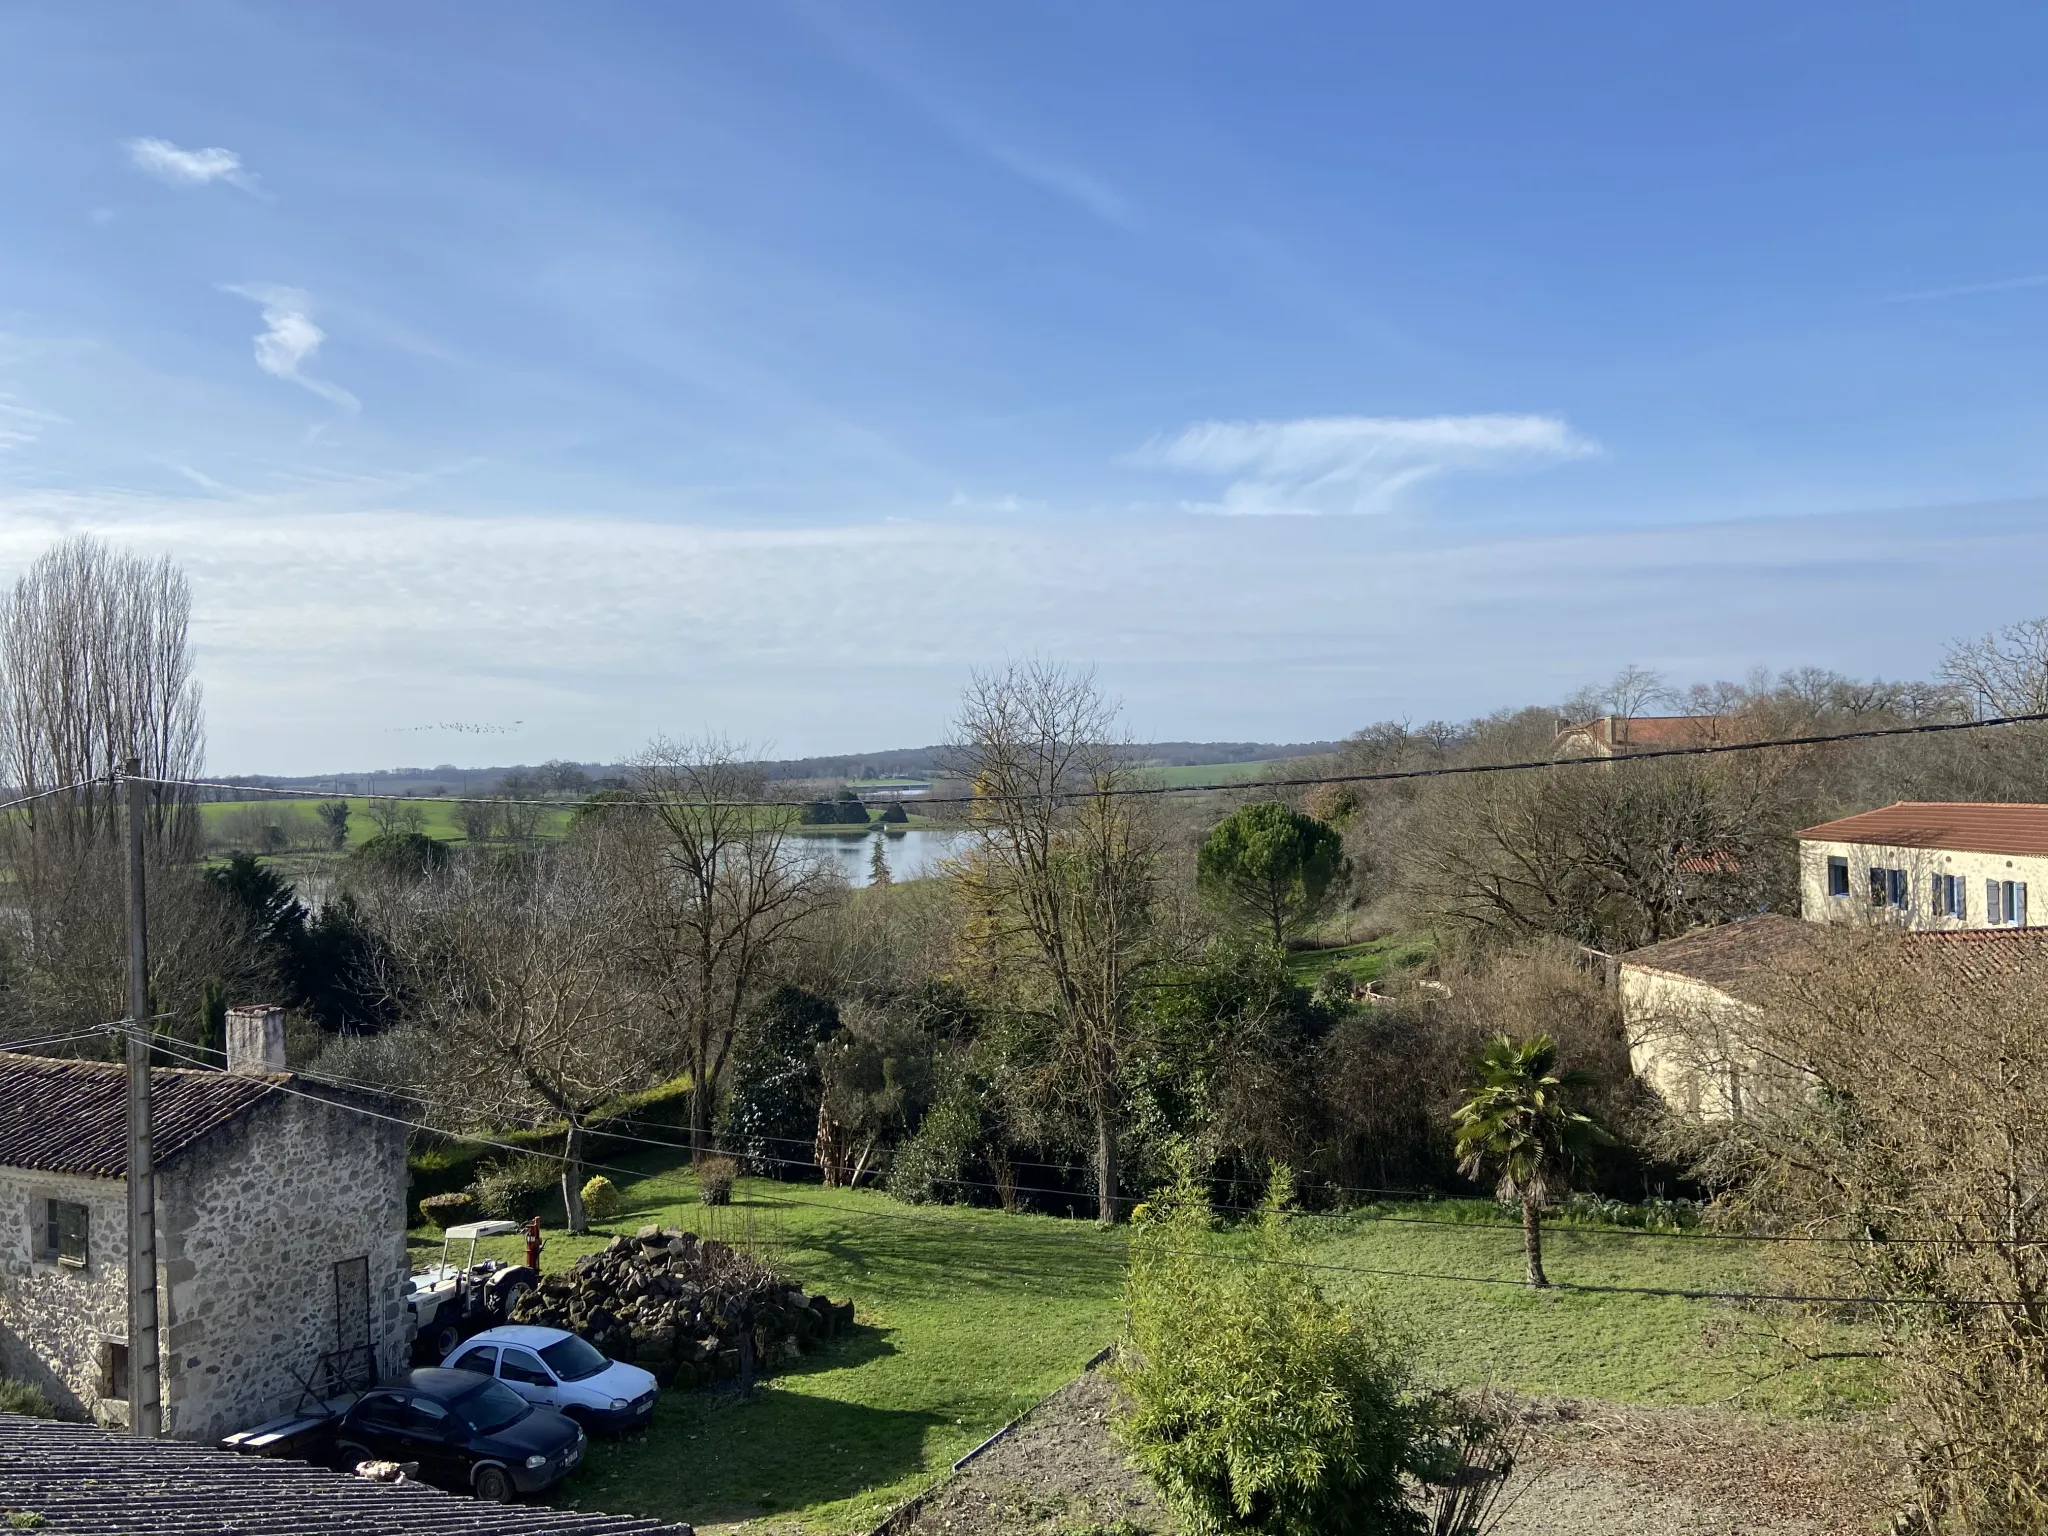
x=22 y=423
x=1354 y=463
x=189 y=167
x=1076 y=186
x=291 y=339
x=2004 y=285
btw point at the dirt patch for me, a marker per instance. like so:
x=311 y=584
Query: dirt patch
x=1591 y=1469
x=1600 y=1467
x=1059 y=1471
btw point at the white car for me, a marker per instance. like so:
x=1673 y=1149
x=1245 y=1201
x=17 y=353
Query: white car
x=560 y=1371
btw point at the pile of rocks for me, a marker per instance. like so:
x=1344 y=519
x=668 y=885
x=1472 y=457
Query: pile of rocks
x=690 y=1310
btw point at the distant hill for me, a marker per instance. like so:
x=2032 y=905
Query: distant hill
x=893 y=762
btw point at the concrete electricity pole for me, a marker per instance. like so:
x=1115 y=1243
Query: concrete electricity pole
x=143 y=1396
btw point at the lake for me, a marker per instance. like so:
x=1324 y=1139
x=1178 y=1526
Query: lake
x=912 y=853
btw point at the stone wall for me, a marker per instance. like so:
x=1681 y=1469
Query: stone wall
x=253 y=1222
x=55 y=1319
x=250 y=1225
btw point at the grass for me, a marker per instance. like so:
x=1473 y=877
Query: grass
x=1365 y=962
x=966 y=1317
x=440 y=818
x=1223 y=773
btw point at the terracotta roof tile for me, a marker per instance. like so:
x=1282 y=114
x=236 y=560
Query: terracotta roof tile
x=1741 y=958
x=1963 y=826
x=72 y=1116
x=1989 y=954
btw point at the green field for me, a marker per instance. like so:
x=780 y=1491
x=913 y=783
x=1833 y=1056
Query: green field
x=1229 y=773
x=1364 y=962
x=968 y=1316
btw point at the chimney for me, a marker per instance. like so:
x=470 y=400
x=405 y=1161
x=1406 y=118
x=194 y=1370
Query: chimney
x=256 y=1039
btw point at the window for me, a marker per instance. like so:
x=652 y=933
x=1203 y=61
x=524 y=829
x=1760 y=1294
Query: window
x=114 y=1370
x=382 y=1410
x=427 y=1417
x=523 y=1368
x=1888 y=888
x=2005 y=903
x=483 y=1360
x=1897 y=881
x=1951 y=896
x=66 y=1225
x=1838 y=877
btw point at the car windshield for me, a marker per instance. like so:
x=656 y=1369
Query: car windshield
x=491 y=1407
x=572 y=1360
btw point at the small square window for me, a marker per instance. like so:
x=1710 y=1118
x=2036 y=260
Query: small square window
x=1838 y=877
x=67 y=1227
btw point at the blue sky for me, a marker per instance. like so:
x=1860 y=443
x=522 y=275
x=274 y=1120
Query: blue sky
x=597 y=371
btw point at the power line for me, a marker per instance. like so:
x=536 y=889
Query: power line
x=44 y=794
x=1617 y=1290
x=1384 y=776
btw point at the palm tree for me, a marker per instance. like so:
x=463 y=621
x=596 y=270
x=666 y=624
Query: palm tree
x=1519 y=1121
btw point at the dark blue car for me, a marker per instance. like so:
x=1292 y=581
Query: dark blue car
x=467 y=1433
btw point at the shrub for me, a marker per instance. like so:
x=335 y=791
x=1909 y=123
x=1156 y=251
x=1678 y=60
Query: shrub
x=715 y=1176
x=600 y=1199
x=516 y=1190
x=20 y=1397
x=445 y=1211
x=927 y=1169
x=1253 y=1402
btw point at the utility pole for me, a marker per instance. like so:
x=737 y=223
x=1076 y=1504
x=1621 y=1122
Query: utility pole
x=143 y=1396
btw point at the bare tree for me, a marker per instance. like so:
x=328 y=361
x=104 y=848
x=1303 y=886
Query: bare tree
x=2003 y=673
x=96 y=666
x=719 y=888
x=1061 y=879
x=514 y=968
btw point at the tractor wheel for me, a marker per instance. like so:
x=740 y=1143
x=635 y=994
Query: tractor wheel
x=443 y=1337
x=494 y=1485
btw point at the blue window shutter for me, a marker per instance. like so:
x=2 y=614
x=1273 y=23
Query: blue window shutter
x=2019 y=910
x=1991 y=913
x=1962 y=885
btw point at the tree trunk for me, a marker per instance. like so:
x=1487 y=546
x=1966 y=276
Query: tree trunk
x=1532 y=1242
x=1106 y=1212
x=572 y=1178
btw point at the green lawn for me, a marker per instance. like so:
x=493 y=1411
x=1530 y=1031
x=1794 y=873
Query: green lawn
x=440 y=818
x=968 y=1316
x=1365 y=962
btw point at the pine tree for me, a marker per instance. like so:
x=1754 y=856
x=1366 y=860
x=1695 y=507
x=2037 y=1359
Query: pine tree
x=878 y=864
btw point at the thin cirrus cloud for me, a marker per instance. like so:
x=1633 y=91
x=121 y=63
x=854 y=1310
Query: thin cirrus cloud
x=1354 y=464
x=290 y=339
x=190 y=167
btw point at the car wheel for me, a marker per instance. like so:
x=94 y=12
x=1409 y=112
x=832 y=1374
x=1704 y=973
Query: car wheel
x=494 y=1485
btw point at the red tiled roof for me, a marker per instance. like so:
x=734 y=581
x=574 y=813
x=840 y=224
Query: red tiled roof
x=1988 y=954
x=72 y=1116
x=1964 y=826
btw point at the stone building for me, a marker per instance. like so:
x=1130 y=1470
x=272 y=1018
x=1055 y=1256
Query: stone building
x=280 y=1235
x=1934 y=866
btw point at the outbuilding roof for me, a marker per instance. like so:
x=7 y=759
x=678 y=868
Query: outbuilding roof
x=72 y=1116
x=1961 y=826
x=1741 y=958
x=84 y=1480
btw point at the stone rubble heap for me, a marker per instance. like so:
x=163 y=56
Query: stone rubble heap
x=683 y=1307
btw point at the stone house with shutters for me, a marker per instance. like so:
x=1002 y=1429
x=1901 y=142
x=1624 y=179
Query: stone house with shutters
x=280 y=1236
x=1955 y=876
